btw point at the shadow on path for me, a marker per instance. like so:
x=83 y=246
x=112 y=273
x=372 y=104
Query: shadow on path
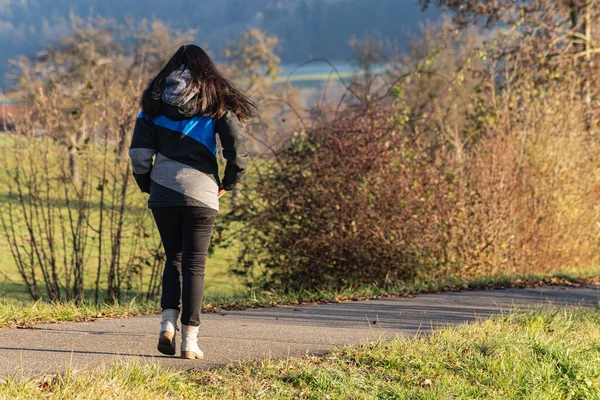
x=85 y=352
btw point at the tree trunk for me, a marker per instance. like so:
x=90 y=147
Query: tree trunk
x=235 y=195
x=588 y=56
x=73 y=164
x=588 y=63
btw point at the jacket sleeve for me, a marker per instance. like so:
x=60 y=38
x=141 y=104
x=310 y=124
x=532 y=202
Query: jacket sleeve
x=233 y=140
x=142 y=150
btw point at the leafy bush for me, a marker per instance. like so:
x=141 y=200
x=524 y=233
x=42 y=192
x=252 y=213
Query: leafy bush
x=421 y=184
x=351 y=201
x=361 y=200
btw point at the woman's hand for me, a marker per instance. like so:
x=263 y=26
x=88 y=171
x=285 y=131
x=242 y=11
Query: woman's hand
x=221 y=191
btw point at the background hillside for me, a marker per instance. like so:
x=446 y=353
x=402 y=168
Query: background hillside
x=306 y=28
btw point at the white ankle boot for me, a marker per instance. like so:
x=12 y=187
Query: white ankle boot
x=166 y=339
x=189 y=342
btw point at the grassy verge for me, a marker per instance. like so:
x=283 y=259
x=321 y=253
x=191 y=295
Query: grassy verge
x=542 y=354
x=24 y=314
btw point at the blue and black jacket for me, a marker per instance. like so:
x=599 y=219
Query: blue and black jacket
x=174 y=157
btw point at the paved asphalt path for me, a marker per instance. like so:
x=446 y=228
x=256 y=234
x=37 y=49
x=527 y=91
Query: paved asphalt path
x=277 y=332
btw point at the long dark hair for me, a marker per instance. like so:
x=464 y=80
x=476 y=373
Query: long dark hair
x=214 y=95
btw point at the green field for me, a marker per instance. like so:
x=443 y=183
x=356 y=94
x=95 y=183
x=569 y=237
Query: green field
x=542 y=354
x=218 y=280
x=317 y=74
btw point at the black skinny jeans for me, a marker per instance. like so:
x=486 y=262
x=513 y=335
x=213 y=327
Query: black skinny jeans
x=185 y=234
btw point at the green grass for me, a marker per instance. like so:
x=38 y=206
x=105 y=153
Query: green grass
x=218 y=279
x=21 y=314
x=540 y=354
x=26 y=313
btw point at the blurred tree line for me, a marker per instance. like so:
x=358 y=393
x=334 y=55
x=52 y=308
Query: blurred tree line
x=305 y=28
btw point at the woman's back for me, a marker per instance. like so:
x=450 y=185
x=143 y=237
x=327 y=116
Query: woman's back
x=185 y=171
x=174 y=157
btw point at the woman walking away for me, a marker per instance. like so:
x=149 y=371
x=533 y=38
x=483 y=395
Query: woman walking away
x=183 y=108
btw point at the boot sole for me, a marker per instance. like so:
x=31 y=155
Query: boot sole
x=165 y=343
x=190 y=355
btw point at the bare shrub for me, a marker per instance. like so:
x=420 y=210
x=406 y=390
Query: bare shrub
x=72 y=207
x=58 y=227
